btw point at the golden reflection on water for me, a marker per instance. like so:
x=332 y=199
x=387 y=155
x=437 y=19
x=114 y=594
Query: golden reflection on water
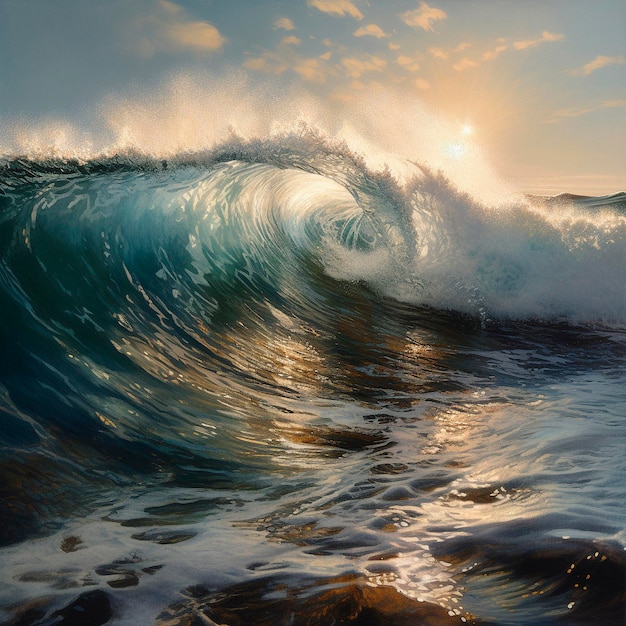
x=300 y=400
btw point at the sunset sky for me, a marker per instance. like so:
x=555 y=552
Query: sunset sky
x=538 y=85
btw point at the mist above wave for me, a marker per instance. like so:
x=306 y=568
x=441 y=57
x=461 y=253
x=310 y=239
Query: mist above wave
x=191 y=112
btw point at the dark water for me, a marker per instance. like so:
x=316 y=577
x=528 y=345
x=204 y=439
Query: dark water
x=265 y=385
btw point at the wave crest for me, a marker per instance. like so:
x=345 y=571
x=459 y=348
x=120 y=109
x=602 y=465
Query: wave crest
x=264 y=213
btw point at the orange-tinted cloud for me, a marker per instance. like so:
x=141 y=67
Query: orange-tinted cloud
x=198 y=36
x=169 y=29
x=311 y=70
x=268 y=63
x=423 y=17
x=284 y=23
x=532 y=43
x=439 y=53
x=562 y=114
x=356 y=67
x=336 y=7
x=408 y=63
x=371 y=29
x=442 y=53
x=490 y=55
x=599 y=62
x=464 y=64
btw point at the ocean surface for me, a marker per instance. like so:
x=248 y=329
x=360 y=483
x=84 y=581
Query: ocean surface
x=266 y=384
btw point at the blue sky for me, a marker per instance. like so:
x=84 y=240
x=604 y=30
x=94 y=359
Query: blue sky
x=538 y=85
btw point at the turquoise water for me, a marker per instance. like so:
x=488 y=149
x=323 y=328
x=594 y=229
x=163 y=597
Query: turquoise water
x=267 y=364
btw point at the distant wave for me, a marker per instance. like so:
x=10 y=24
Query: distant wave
x=614 y=202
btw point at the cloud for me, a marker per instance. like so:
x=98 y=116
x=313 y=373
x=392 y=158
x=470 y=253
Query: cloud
x=268 y=63
x=423 y=17
x=533 y=43
x=285 y=23
x=311 y=70
x=599 y=62
x=169 y=29
x=285 y=58
x=490 y=55
x=408 y=63
x=562 y=114
x=464 y=64
x=546 y=36
x=336 y=7
x=198 y=36
x=438 y=53
x=171 y=7
x=394 y=46
x=356 y=67
x=370 y=29
x=442 y=53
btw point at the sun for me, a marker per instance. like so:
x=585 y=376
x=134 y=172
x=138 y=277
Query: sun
x=459 y=147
